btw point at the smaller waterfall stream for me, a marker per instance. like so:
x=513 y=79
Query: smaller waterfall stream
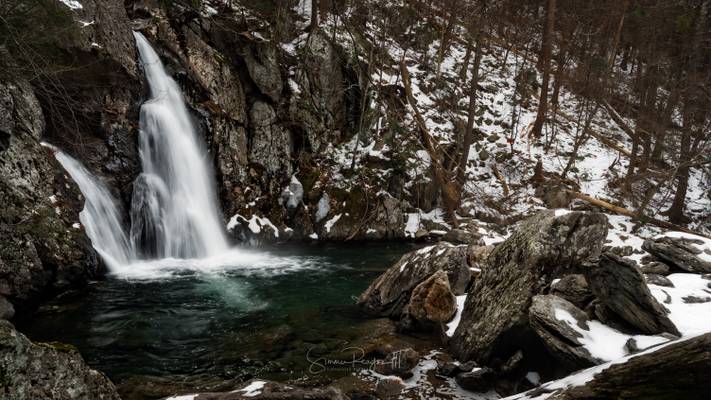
x=102 y=216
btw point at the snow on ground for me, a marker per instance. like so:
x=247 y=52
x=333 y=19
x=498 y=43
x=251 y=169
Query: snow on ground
x=454 y=323
x=72 y=4
x=253 y=389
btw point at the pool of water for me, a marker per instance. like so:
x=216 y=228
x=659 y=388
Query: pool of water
x=242 y=319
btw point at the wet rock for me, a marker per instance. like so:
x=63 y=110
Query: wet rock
x=573 y=288
x=479 y=379
x=391 y=291
x=7 y=311
x=447 y=369
x=542 y=247
x=620 y=286
x=655 y=267
x=47 y=371
x=679 y=252
x=677 y=371
x=659 y=280
x=400 y=363
x=559 y=337
x=389 y=387
x=432 y=301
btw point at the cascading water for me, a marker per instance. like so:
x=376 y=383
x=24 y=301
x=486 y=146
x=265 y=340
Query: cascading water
x=101 y=215
x=174 y=210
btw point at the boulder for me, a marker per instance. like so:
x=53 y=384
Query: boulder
x=573 y=288
x=432 y=301
x=560 y=337
x=479 y=379
x=659 y=280
x=655 y=267
x=461 y=236
x=619 y=285
x=389 y=387
x=391 y=291
x=675 y=371
x=31 y=371
x=679 y=252
x=546 y=245
x=400 y=363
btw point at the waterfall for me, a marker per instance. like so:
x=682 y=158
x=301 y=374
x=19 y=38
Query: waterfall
x=174 y=211
x=101 y=216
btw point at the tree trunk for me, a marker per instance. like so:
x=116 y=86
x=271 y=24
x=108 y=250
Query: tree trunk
x=469 y=133
x=314 y=15
x=545 y=64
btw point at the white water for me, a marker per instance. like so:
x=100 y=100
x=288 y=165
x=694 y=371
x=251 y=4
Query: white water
x=101 y=216
x=174 y=213
x=174 y=208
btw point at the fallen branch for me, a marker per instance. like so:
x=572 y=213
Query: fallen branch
x=623 y=211
x=500 y=178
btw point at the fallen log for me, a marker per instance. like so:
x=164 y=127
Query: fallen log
x=632 y=214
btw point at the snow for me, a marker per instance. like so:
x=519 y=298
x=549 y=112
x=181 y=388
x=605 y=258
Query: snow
x=313 y=236
x=704 y=247
x=534 y=377
x=183 y=397
x=329 y=224
x=454 y=323
x=561 y=211
x=323 y=207
x=603 y=342
x=254 y=224
x=72 y=4
x=690 y=318
x=412 y=225
x=253 y=389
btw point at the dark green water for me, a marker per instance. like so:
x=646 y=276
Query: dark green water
x=227 y=324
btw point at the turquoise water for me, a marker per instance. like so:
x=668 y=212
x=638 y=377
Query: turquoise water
x=226 y=324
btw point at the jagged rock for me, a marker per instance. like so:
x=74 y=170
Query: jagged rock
x=676 y=371
x=679 y=252
x=257 y=389
x=479 y=379
x=559 y=337
x=40 y=251
x=620 y=286
x=7 y=311
x=659 y=280
x=391 y=291
x=432 y=301
x=400 y=363
x=389 y=387
x=573 y=288
x=544 y=246
x=47 y=371
x=655 y=267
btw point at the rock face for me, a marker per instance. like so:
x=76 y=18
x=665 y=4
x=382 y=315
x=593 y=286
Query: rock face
x=618 y=284
x=391 y=291
x=560 y=338
x=495 y=314
x=432 y=301
x=30 y=371
x=40 y=251
x=677 y=371
x=679 y=252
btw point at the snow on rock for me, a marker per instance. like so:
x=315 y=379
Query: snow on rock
x=603 y=342
x=293 y=194
x=72 y=4
x=253 y=389
x=689 y=302
x=454 y=323
x=329 y=224
x=183 y=397
x=323 y=207
x=412 y=225
x=254 y=224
